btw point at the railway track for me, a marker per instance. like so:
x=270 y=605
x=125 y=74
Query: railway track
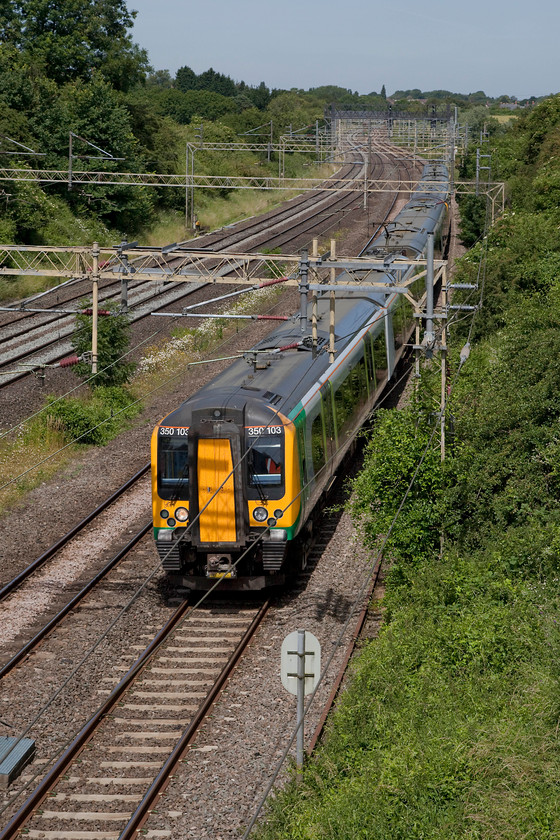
x=65 y=813
x=23 y=576
x=140 y=731
x=53 y=591
x=12 y=585
x=108 y=779
x=28 y=340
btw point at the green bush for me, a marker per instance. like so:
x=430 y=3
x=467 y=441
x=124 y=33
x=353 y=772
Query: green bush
x=449 y=728
x=95 y=420
x=113 y=338
x=473 y=218
x=397 y=444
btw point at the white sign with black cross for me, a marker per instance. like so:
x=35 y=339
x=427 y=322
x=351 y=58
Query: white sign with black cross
x=300 y=669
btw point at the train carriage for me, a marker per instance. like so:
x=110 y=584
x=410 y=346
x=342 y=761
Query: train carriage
x=239 y=467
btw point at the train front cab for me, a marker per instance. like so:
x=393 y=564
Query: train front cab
x=236 y=475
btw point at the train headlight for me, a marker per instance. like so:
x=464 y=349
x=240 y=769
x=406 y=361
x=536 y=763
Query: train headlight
x=278 y=514
x=164 y=514
x=260 y=514
x=181 y=514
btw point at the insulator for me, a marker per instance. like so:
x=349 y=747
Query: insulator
x=272 y=282
x=99 y=312
x=69 y=361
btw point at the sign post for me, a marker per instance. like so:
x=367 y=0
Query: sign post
x=300 y=670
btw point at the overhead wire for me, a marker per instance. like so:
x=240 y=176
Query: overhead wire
x=86 y=381
x=362 y=589
x=351 y=612
x=206 y=595
x=154 y=571
x=103 y=370
x=102 y=422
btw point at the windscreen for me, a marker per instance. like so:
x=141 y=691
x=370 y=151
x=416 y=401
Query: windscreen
x=173 y=463
x=265 y=457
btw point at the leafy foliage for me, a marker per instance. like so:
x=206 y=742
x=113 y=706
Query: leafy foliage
x=397 y=446
x=113 y=338
x=450 y=727
x=69 y=39
x=473 y=219
x=95 y=420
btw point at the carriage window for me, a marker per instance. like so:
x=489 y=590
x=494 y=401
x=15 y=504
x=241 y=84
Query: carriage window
x=173 y=468
x=317 y=444
x=380 y=355
x=265 y=460
x=349 y=398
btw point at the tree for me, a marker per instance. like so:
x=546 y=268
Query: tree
x=383 y=93
x=259 y=96
x=70 y=39
x=182 y=107
x=113 y=339
x=185 y=79
x=473 y=219
x=96 y=112
x=216 y=82
x=160 y=78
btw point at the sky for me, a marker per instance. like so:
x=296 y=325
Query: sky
x=492 y=45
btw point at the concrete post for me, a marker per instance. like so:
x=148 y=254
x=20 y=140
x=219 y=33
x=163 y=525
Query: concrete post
x=95 y=305
x=303 y=289
x=332 y=305
x=300 y=698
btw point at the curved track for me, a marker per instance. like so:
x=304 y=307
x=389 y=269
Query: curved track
x=125 y=766
x=313 y=214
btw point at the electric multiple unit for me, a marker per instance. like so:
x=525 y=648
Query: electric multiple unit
x=239 y=469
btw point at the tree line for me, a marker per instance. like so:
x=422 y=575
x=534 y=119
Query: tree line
x=71 y=66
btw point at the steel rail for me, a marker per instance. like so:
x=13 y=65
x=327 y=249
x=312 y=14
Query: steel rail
x=10 y=832
x=162 y=779
x=38 y=637
x=8 y=588
x=347 y=656
x=259 y=225
x=51 y=342
x=304 y=204
x=26 y=314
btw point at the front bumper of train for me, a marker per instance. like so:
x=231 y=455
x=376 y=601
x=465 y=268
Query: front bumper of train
x=255 y=565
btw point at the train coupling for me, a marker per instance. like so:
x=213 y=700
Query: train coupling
x=220 y=565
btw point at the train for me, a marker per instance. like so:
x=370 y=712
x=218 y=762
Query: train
x=240 y=468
